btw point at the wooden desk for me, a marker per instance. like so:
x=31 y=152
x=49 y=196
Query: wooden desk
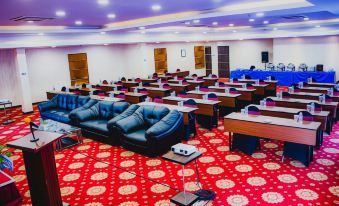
x=318 y=84
x=109 y=87
x=186 y=111
x=302 y=104
x=108 y=99
x=285 y=112
x=148 y=80
x=155 y=91
x=130 y=84
x=226 y=100
x=192 y=83
x=322 y=90
x=51 y=94
x=272 y=86
x=312 y=96
x=260 y=88
x=131 y=97
x=180 y=74
x=271 y=127
x=174 y=87
x=208 y=108
x=247 y=95
x=209 y=81
x=83 y=91
x=40 y=167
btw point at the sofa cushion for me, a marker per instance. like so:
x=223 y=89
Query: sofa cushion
x=137 y=137
x=82 y=100
x=105 y=110
x=72 y=101
x=119 y=107
x=97 y=125
x=153 y=114
x=60 y=115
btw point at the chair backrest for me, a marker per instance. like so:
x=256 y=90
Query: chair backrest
x=63 y=89
x=155 y=74
x=222 y=84
x=203 y=89
x=121 y=95
x=233 y=90
x=285 y=95
x=158 y=99
x=124 y=89
x=249 y=86
x=97 y=86
x=253 y=110
x=194 y=75
x=152 y=114
x=214 y=76
x=166 y=86
x=317 y=106
x=182 y=93
x=335 y=92
x=328 y=98
x=247 y=76
x=212 y=96
x=178 y=70
x=235 y=80
x=252 y=67
x=146 y=84
x=119 y=83
x=83 y=85
x=306 y=116
x=262 y=81
x=138 y=80
x=190 y=103
x=105 y=82
x=123 y=79
x=270 y=102
x=142 y=91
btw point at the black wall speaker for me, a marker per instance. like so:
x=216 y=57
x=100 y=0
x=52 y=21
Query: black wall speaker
x=264 y=57
x=319 y=68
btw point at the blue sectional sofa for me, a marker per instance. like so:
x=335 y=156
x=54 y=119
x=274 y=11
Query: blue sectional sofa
x=62 y=106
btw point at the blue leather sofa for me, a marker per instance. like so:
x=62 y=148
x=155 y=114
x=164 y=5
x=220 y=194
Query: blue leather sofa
x=62 y=106
x=94 y=121
x=151 y=130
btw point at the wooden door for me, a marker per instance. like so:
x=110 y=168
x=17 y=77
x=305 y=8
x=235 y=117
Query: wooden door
x=223 y=62
x=208 y=60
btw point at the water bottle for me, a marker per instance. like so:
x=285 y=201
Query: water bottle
x=246 y=110
x=115 y=89
x=173 y=94
x=216 y=84
x=301 y=118
x=312 y=107
x=135 y=90
x=197 y=88
x=180 y=82
x=90 y=93
x=227 y=91
x=53 y=88
x=265 y=102
x=231 y=80
x=140 y=85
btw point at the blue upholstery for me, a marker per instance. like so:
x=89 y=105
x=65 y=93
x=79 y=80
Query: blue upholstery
x=95 y=119
x=151 y=129
x=62 y=105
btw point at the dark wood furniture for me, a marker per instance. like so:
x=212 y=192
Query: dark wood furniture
x=51 y=94
x=156 y=92
x=130 y=84
x=223 y=61
x=9 y=193
x=210 y=81
x=83 y=91
x=322 y=90
x=192 y=84
x=183 y=198
x=318 y=84
x=160 y=60
x=78 y=68
x=199 y=56
x=174 y=87
x=132 y=97
x=247 y=95
x=40 y=167
x=208 y=60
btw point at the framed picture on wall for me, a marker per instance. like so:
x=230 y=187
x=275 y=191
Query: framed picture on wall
x=183 y=52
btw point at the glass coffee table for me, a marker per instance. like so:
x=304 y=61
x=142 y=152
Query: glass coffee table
x=73 y=135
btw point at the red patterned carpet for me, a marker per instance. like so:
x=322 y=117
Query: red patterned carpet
x=95 y=173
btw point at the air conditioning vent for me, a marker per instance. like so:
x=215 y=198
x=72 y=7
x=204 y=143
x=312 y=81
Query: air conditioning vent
x=31 y=18
x=293 y=17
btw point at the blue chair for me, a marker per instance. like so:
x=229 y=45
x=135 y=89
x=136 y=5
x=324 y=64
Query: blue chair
x=63 y=89
x=285 y=95
x=300 y=152
x=246 y=143
x=248 y=76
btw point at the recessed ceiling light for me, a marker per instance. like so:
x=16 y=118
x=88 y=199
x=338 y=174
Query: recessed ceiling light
x=53 y=46
x=111 y=16
x=60 y=13
x=251 y=20
x=260 y=14
x=176 y=32
x=41 y=34
x=143 y=32
x=265 y=22
x=241 y=39
x=318 y=26
x=187 y=23
x=275 y=29
x=234 y=31
x=187 y=41
x=105 y=44
x=78 y=22
x=30 y=22
x=204 y=32
x=156 y=7
x=196 y=21
x=157 y=42
x=103 y=2
x=215 y=23
x=306 y=18
x=103 y=32
x=141 y=27
x=231 y=25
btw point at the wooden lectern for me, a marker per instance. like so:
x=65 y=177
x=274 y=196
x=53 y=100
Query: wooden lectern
x=40 y=167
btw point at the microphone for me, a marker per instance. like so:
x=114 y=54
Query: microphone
x=33 y=127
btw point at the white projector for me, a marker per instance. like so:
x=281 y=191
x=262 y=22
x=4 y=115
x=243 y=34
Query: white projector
x=183 y=149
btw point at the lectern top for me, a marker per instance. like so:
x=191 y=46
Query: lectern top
x=24 y=143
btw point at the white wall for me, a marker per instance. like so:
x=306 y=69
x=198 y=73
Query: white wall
x=309 y=50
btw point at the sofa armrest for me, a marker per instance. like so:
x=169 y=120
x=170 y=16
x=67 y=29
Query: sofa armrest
x=128 y=112
x=166 y=126
x=90 y=103
x=131 y=123
x=44 y=106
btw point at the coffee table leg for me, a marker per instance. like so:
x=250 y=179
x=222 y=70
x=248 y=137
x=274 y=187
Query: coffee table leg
x=183 y=180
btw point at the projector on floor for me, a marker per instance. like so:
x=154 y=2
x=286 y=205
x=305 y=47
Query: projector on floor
x=183 y=149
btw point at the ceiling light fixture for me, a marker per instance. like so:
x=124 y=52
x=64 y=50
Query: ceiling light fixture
x=215 y=23
x=143 y=32
x=156 y=7
x=141 y=27
x=103 y=2
x=196 y=21
x=30 y=22
x=265 y=22
x=60 y=13
x=157 y=42
x=318 y=26
x=204 y=32
x=105 y=44
x=41 y=34
x=251 y=20
x=78 y=22
x=111 y=16
x=234 y=31
x=176 y=32
x=103 y=32
x=306 y=18
x=53 y=46
x=231 y=25
x=260 y=14
x=275 y=29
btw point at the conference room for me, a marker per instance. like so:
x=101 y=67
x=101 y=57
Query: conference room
x=164 y=103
